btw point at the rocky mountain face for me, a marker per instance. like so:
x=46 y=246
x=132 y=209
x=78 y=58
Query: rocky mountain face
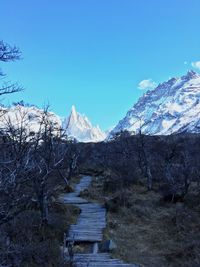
x=172 y=107
x=79 y=127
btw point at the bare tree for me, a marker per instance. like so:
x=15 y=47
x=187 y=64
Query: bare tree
x=143 y=159
x=178 y=169
x=29 y=160
x=8 y=53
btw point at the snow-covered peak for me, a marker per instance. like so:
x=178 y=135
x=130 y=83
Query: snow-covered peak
x=74 y=114
x=191 y=74
x=172 y=107
x=79 y=127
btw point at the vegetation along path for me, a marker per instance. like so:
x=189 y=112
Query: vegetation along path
x=89 y=229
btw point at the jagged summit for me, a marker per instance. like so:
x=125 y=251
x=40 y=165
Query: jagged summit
x=172 y=107
x=73 y=117
x=79 y=127
x=73 y=111
x=191 y=74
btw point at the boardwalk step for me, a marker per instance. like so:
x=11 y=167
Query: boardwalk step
x=89 y=228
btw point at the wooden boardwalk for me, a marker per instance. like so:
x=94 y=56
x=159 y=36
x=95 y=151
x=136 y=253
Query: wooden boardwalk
x=89 y=229
x=98 y=260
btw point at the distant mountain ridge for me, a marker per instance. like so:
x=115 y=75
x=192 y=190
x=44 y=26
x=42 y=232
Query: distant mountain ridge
x=79 y=127
x=76 y=126
x=172 y=107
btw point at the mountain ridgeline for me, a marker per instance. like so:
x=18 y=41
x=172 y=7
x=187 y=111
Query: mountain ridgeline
x=172 y=107
x=76 y=126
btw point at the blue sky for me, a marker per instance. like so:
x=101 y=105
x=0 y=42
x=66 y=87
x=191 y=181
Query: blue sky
x=94 y=53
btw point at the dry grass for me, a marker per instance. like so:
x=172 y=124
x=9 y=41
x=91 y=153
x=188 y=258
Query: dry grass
x=152 y=233
x=33 y=244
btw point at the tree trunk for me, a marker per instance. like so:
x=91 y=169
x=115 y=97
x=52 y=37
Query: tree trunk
x=149 y=179
x=43 y=208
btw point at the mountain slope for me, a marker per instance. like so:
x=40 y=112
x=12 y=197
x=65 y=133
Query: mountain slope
x=28 y=117
x=172 y=107
x=79 y=127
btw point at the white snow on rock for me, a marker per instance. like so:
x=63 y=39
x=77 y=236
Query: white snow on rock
x=79 y=127
x=76 y=126
x=172 y=107
x=27 y=117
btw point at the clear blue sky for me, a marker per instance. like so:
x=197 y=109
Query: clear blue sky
x=93 y=53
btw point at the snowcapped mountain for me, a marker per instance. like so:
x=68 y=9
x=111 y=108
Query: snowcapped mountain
x=79 y=127
x=172 y=107
x=28 y=117
x=76 y=126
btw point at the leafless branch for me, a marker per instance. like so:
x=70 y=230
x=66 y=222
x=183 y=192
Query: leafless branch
x=8 y=52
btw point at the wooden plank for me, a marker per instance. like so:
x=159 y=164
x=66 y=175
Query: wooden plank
x=89 y=228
